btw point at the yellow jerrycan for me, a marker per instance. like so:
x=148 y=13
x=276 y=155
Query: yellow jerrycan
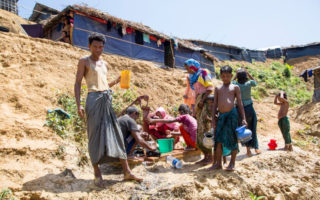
x=125 y=79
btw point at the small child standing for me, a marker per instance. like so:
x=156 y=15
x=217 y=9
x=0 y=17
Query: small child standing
x=225 y=128
x=284 y=124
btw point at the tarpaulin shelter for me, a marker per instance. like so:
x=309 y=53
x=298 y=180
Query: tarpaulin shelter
x=125 y=38
x=229 y=52
x=303 y=50
x=42 y=12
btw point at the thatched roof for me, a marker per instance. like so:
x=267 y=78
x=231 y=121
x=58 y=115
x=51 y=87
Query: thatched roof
x=40 y=9
x=215 y=44
x=106 y=16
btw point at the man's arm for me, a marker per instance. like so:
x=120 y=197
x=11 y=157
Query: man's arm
x=214 y=108
x=204 y=97
x=77 y=86
x=142 y=142
x=163 y=120
x=240 y=105
x=114 y=82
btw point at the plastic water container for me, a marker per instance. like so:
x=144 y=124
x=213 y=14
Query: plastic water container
x=125 y=79
x=176 y=163
x=244 y=135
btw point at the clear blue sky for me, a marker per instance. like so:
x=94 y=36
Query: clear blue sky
x=244 y=23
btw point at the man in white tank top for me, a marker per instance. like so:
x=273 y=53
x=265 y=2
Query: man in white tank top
x=108 y=141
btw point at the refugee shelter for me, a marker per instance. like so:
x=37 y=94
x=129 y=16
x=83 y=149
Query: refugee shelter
x=125 y=38
x=229 y=52
x=9 y=5
x=42 y=12
x=303 y=50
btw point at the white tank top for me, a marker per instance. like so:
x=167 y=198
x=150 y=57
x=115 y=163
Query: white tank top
x=96 y=76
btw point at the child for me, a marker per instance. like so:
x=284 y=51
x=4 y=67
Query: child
x=251 y=117
x=189 y=96
x=225 y=134
x=283 y=122
x=188 y=129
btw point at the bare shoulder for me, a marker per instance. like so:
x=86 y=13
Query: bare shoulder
x=83 y=60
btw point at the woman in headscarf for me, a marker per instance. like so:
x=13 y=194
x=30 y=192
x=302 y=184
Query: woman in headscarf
x=201 y=83
x=162 y=130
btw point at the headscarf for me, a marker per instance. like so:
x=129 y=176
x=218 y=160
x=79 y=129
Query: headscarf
x=202 y=76
x=164 y=115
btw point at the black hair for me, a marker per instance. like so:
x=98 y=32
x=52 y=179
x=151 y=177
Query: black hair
x=242 y=76
x=184 y=109
x=132 y=109
x=284 y=95
x=98 y=37
x=226 y=69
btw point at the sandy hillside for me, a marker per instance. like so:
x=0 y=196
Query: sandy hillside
x=12 y=22
x=32 y=71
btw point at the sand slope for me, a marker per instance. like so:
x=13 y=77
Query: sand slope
x=33 y=70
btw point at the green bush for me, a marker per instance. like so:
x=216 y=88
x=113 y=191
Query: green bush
x=276 y=77
x=6 y=194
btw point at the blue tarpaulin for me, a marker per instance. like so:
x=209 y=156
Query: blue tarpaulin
x=310 y=50
x=115 y=44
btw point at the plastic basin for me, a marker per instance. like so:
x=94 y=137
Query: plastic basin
x=165 y=145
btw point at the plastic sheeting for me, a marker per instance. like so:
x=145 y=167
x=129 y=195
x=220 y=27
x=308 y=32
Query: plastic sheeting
x=33 y=30
x=126 y=45
x=274 y=53
x=115 y=44
x=310 y=50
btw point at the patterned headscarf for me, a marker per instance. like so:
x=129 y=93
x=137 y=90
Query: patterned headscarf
x=201 y=75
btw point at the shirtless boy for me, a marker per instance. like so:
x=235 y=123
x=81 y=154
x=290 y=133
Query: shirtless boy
x=225 y=134
x=284 y=124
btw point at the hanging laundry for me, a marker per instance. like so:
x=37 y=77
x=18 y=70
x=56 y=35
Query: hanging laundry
x=109 y=25
x=151 y=37
x=146 y=37
x=304 y=75
x=175 y=42
x=139 y=37
x=124 y=32
x=310 y=72
x=159 y=43
x=119 y=29
x=129 y=30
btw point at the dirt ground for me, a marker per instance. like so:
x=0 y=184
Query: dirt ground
x=12 y=22
x=32 y=71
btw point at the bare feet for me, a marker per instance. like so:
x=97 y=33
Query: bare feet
x=290 y=147
x=98 y=181
x=215 y=167
x=258 y=151
x=230 y=167
x=131 y=177
x=249 y=154
x=189 y=148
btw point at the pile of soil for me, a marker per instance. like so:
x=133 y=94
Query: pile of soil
x=302 y=63
x=309 y=114
x=12 y=22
